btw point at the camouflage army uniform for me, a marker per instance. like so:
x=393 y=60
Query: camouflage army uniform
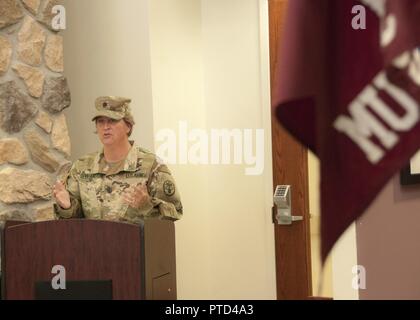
x=96 y=189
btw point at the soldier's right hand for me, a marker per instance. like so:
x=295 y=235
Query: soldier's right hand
x=61 y=195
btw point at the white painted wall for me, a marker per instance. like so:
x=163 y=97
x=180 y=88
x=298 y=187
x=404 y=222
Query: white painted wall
x=344 y=257
x=322 y=285
x=177 y=82
x=107 y=52
x=335 y=280
x=236 y=94
x=206 y=63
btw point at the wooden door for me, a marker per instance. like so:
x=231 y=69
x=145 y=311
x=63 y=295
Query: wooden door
x=290 y=167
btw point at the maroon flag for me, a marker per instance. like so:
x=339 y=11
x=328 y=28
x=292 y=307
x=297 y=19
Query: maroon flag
x=352 y=96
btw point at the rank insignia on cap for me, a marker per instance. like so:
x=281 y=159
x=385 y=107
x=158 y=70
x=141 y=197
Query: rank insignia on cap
x=169 y=188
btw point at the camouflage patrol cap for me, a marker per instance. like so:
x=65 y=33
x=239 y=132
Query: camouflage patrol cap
x=116 y=108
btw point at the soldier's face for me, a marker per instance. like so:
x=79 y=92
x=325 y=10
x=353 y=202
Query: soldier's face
x=111 y=131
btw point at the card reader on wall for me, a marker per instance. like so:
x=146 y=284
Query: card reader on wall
x=283 y=201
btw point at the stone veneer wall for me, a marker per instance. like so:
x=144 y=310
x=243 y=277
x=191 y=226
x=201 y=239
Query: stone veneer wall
x=34 y=140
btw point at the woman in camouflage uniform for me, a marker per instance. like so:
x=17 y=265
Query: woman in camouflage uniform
x=123 y=182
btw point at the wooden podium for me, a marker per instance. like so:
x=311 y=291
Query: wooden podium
x=130 y=261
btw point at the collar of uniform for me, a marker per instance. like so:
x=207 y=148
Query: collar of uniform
x=130 y=163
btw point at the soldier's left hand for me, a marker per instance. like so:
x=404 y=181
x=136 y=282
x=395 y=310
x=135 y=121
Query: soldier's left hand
x=136 y=196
